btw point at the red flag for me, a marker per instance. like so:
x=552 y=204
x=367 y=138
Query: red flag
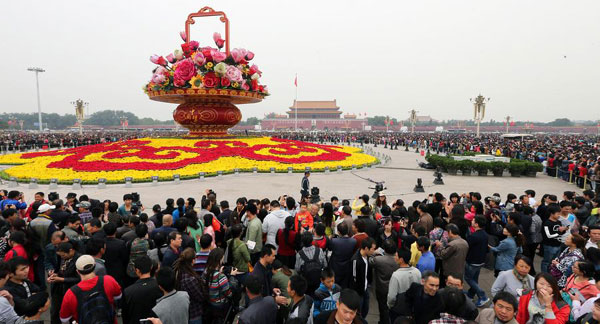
x=392 y=122
x=296 y=81
x=512 y=123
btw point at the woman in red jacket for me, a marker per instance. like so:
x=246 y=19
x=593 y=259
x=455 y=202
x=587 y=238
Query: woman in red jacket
x=286 y=241
x=544 y=304
x=17 y=241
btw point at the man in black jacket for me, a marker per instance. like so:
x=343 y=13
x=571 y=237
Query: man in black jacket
x=478 y=249
x=262 y=269
x=18 y=285
x=342 y=249
x=423 y=299
x=302 y=304
x=140 y=298
x=63 y=279
x=371 y=226
x=115 y=254
x=362 y=273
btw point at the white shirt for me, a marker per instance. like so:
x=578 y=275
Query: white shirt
x=578 y=309
x=366 y=271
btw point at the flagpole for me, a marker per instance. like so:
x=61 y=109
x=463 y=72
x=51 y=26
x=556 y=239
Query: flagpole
x=296 y=105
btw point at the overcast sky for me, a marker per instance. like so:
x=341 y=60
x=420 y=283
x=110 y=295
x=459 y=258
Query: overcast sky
x=536 y=60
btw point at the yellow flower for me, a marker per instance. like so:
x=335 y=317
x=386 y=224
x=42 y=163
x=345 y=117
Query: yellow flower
x=196 y=82
x=235 y=85
x=208 y=65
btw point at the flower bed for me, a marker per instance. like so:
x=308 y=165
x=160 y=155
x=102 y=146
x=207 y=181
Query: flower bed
x=142 y=159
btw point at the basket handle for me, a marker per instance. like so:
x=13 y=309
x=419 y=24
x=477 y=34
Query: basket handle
x=206 y=12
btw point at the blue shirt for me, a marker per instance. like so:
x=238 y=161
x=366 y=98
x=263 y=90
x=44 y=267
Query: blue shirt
x=426 y=262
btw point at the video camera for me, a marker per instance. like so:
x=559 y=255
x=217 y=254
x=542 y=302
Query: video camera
x=378 y=188
x=314 y=195
x=135 y=199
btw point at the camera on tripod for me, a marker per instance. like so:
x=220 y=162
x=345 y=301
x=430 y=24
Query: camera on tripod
x=378 y=188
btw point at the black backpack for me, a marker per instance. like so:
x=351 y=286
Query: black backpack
x=93 y=306
x=311 y=270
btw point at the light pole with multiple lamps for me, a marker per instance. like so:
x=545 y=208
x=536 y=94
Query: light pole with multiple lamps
x=80 y=113
x=37 y=84
x=479 y=109
x=507 y=123
x=413 y=119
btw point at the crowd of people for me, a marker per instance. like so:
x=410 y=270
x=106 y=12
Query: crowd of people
x=300 y=261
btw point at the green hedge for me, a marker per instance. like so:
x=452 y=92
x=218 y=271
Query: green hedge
x=515 y=165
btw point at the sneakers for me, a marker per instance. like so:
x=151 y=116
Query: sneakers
x=482 y=302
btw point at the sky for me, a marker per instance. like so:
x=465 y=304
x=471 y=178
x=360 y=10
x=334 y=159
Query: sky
x=535 y=60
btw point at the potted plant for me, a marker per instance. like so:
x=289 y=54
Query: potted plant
x=516 y=168
x=497 y=168
x=531 y=168
x=452 y=166
x=466 y=166
x=482 y=168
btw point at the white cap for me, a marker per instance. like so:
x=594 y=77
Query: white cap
x=85 y=262
x=44 y=208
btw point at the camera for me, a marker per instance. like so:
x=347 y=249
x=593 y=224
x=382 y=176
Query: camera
x=314 y=195
x=135 y=199
x=378 y=188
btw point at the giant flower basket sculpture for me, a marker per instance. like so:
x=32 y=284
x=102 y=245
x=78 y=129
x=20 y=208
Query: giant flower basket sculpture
x=206 y=82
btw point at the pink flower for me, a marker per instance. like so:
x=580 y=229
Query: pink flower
x=249 y=56
x=184 y=71
x=237 y=55
x=245 y=86
x=183 y=35
x=178 y=82
x=218 y=40
x=234 y=74
x=218 y=56
x=178 y=55
x=171 y=58
x=158 y=60
x=199 y=58
x=194 y=45
x=158 y=78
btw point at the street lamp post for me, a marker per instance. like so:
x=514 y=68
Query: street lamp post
x=37 y=84
x=507 y=123
x=479 y=109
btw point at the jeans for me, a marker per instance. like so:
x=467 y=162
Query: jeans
x=364 y=306
x=472 y=278
x=550 y=252
x=196 y=321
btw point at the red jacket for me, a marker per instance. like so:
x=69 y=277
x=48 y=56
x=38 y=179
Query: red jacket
x=19 y=250
x=561 y=314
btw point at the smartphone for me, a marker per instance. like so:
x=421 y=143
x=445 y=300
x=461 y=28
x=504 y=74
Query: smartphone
x=145 y=321
x=576 y=292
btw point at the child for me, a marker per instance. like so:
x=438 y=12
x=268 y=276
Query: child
x=328 y=293
x=303 y=218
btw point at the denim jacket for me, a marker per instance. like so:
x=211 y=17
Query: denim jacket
x=506 y=252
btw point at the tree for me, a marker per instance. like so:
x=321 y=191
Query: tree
x=111 y=118
x=380 y=120
x=561 y=122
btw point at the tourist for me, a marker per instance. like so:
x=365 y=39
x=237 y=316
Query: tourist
x=260 y=310
x=346 y=310
x=115 y=254
x=261 y=268
x=508 y=249
x=469 y=310
x=553 y=229
x=504 y=310
x=582 y=280
x=85 y=266
x=562 y=267
x=515 y=281
x=362 y=273
x=7 y=312
x=19 y=285
x=427 y=259
x=35 y=307
x=475 y=260
x=139 y=298
x=453 y=301
x=253 y=233
x=328 y=293
x=594 y=234
x=383 y=268
x=544 y=303
x=281 y=276
x=387 y=233
x=422 y=299
x=173 y=306
x=455 y=253
x=286 y=240
x=189 y=281
x=274 y=221
x=342 y=250
x=174 y=242
x=310 y=260
x=302 y=304
x=61 y=280
x=401 y=280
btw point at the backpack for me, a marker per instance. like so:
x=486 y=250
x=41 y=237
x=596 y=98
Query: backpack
x=93 y=306
x=139 y=248
x=311 y=270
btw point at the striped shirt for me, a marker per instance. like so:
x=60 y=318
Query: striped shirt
x=218 y=289
x=200 y=261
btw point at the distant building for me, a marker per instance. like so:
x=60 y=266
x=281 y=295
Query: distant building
x=313 y=115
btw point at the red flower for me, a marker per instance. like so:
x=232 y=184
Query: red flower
x=225 y=82
x=194 y=45
x=210 y=80
x=187 y=49
x=207 y=54
x=261 y=88
x=254 y=85
x=184 y=70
